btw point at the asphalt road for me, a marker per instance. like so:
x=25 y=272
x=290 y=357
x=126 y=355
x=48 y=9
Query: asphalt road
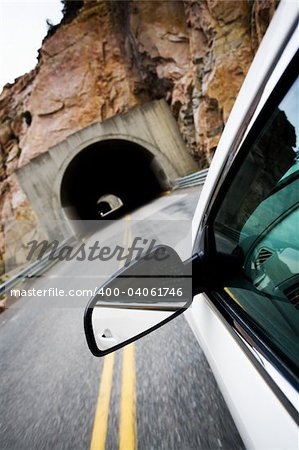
x=49 y=390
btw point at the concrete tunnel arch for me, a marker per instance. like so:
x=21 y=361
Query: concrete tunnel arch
x=115 y=167
x=150 y=136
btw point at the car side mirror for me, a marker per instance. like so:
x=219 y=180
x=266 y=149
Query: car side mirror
x=138 y=299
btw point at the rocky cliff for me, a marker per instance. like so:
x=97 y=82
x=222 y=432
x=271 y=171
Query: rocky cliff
x=109 y=56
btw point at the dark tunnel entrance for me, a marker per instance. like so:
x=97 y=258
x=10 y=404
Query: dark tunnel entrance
x=113 y=168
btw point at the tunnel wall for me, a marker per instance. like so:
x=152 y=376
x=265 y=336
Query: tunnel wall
x=151 y=126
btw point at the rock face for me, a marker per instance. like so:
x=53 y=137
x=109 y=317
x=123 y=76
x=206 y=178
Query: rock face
x=109 y=56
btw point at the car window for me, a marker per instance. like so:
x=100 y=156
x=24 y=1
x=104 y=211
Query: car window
x=260 y=215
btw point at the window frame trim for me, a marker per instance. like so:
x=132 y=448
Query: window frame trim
x=236 y=159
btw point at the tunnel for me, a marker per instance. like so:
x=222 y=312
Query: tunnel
x=111 y=168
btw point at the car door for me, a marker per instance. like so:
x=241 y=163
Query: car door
x=249 y=329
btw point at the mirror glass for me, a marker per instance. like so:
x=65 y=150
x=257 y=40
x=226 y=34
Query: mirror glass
x=141 y=296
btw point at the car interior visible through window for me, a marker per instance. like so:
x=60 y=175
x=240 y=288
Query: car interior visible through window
x=260 y=215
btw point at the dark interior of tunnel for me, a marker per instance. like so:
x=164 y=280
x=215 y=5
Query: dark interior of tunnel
x=117 y=167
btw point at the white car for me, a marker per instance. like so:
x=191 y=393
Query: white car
x=245 y=264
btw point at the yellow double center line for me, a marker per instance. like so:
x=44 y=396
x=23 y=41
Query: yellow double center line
x=127 y=424
x=99 y=432
x=127 y=420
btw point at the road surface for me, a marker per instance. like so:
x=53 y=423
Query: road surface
x=157 y=394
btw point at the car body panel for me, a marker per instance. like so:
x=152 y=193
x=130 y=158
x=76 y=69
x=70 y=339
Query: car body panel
x=262 y=421
x=250 y=390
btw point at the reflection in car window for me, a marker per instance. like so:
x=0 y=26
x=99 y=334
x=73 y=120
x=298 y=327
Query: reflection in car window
x=260 y=214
